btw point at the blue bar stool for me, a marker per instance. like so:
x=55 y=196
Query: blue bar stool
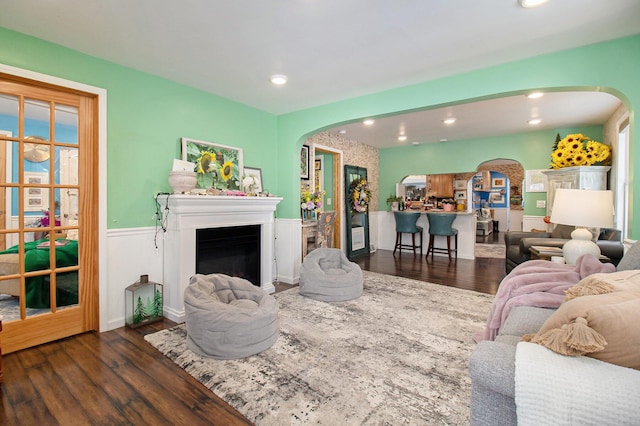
x=406 y=224
x=440 y=224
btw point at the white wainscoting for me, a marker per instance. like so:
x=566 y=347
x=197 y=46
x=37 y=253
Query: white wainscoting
x=131 y=252
x=534 y=222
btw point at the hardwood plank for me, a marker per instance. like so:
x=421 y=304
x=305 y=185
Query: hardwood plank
x=117 y=378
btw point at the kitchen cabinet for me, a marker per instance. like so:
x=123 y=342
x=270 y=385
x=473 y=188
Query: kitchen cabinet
x=441 y=185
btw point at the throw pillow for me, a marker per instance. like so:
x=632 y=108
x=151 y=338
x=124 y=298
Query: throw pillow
x=603 y=326
x=631 y=259
x=602 y=283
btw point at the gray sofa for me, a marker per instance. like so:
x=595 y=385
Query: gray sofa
x=492 y=368
x=518 y=243
x=492 y=363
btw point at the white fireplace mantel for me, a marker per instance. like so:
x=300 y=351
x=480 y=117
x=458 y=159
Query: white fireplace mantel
x=186 y=214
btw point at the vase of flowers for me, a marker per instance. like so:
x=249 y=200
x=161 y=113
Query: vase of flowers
x=448 y=204
x=579 y=150
x=309 y=203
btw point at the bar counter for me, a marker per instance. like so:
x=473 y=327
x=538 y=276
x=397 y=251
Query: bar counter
x=465 y=223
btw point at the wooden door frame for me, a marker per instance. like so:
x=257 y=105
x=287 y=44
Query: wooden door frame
x=338 y=189
x=101 y=95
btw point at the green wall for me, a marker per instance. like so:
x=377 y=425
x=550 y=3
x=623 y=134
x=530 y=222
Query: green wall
x=610 y=67
x=532 y=150
x=146 y=117
x=327 y=173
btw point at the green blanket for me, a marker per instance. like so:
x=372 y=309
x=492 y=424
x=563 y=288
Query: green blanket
x=37 y=259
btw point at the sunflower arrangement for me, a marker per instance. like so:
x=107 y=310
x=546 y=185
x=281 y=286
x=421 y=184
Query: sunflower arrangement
x=360 y=195
x=579 y=150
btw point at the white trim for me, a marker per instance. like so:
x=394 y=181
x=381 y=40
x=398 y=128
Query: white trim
x=102 y=168
x=341 y=191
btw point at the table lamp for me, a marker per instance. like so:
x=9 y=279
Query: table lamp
x=582 y=208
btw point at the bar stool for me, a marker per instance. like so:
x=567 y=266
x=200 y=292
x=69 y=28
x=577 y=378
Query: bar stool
x=440 y=224
x=406 y=224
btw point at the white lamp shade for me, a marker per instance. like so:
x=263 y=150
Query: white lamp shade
x=583 y=207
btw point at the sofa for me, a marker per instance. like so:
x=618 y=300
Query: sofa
x=495 y=383
x=517 y=244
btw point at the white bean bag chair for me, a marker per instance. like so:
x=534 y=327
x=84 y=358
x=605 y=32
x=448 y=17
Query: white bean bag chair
x=326 y=274
x=228 y=317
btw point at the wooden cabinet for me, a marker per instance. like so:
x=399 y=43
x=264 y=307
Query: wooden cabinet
x=441 y=185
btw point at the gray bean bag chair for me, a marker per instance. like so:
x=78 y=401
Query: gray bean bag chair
x=326 y=274
x=228 y=317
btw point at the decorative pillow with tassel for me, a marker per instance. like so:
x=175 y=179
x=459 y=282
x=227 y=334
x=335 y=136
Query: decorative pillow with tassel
x=600 y=318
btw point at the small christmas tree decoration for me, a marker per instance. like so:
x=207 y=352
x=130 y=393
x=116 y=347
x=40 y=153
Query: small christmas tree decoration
x=143 y=302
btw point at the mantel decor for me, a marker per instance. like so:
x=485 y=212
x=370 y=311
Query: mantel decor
x=217 y=166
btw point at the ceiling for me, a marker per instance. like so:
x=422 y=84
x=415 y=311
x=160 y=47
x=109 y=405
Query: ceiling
x=496 y=117
x=330 y=49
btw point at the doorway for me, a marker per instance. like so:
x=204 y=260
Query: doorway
x=330 y=176
x=49 y=188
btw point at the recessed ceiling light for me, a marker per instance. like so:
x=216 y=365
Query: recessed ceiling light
x=415 y=143
x=534 y=121
x=535 y=95
x=443 y=140
x=368 y=122
x=279 y=79
x=528 y=4
x=342 y=132
x=449 y=120
x=402 y=138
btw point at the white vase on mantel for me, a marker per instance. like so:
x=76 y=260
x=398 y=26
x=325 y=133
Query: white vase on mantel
x=182 y=181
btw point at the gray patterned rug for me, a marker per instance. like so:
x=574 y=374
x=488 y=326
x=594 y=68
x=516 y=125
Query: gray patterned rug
x=396 y=355
x=496 y=251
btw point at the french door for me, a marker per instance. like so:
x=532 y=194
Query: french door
x=48 y=212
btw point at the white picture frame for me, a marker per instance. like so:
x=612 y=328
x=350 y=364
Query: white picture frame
x=357 y=238
x=535 y=181
x=255 y=173
x=36 y=198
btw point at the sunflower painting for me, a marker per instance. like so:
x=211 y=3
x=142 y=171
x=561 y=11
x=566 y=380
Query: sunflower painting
x=217 y=166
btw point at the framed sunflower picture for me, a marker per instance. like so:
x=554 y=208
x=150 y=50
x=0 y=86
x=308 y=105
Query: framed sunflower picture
x=217 y=166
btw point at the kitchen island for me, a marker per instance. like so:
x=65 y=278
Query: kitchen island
x=465 y=223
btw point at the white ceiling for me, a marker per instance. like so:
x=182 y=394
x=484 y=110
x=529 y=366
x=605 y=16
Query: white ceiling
x=330 y=49
x=502 y=116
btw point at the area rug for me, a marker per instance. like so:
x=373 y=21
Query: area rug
x=396 y=355
x=496 y=251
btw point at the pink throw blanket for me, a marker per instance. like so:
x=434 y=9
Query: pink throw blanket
x=538 y=283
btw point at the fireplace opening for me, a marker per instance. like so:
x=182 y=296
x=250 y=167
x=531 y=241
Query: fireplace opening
x=233 y=251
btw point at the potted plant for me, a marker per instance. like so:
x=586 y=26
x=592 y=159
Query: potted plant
x=448 y=204
x=393 y=202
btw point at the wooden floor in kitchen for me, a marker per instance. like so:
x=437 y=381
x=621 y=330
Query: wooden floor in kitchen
x=117 y=378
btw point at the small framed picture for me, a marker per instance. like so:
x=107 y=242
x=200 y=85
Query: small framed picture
x=459 y=184
x=496 y=198
x=304 y=162
x=36 y=198
x=254 y=183
x=498 y=182
x=536 y=181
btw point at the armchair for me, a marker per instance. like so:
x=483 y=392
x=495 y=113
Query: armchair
x=518 y=243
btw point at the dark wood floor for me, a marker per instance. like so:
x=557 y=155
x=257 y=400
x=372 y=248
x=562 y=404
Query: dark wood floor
x=116 y=378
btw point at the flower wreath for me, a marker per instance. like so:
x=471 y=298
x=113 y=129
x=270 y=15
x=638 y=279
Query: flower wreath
x=360 y=195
